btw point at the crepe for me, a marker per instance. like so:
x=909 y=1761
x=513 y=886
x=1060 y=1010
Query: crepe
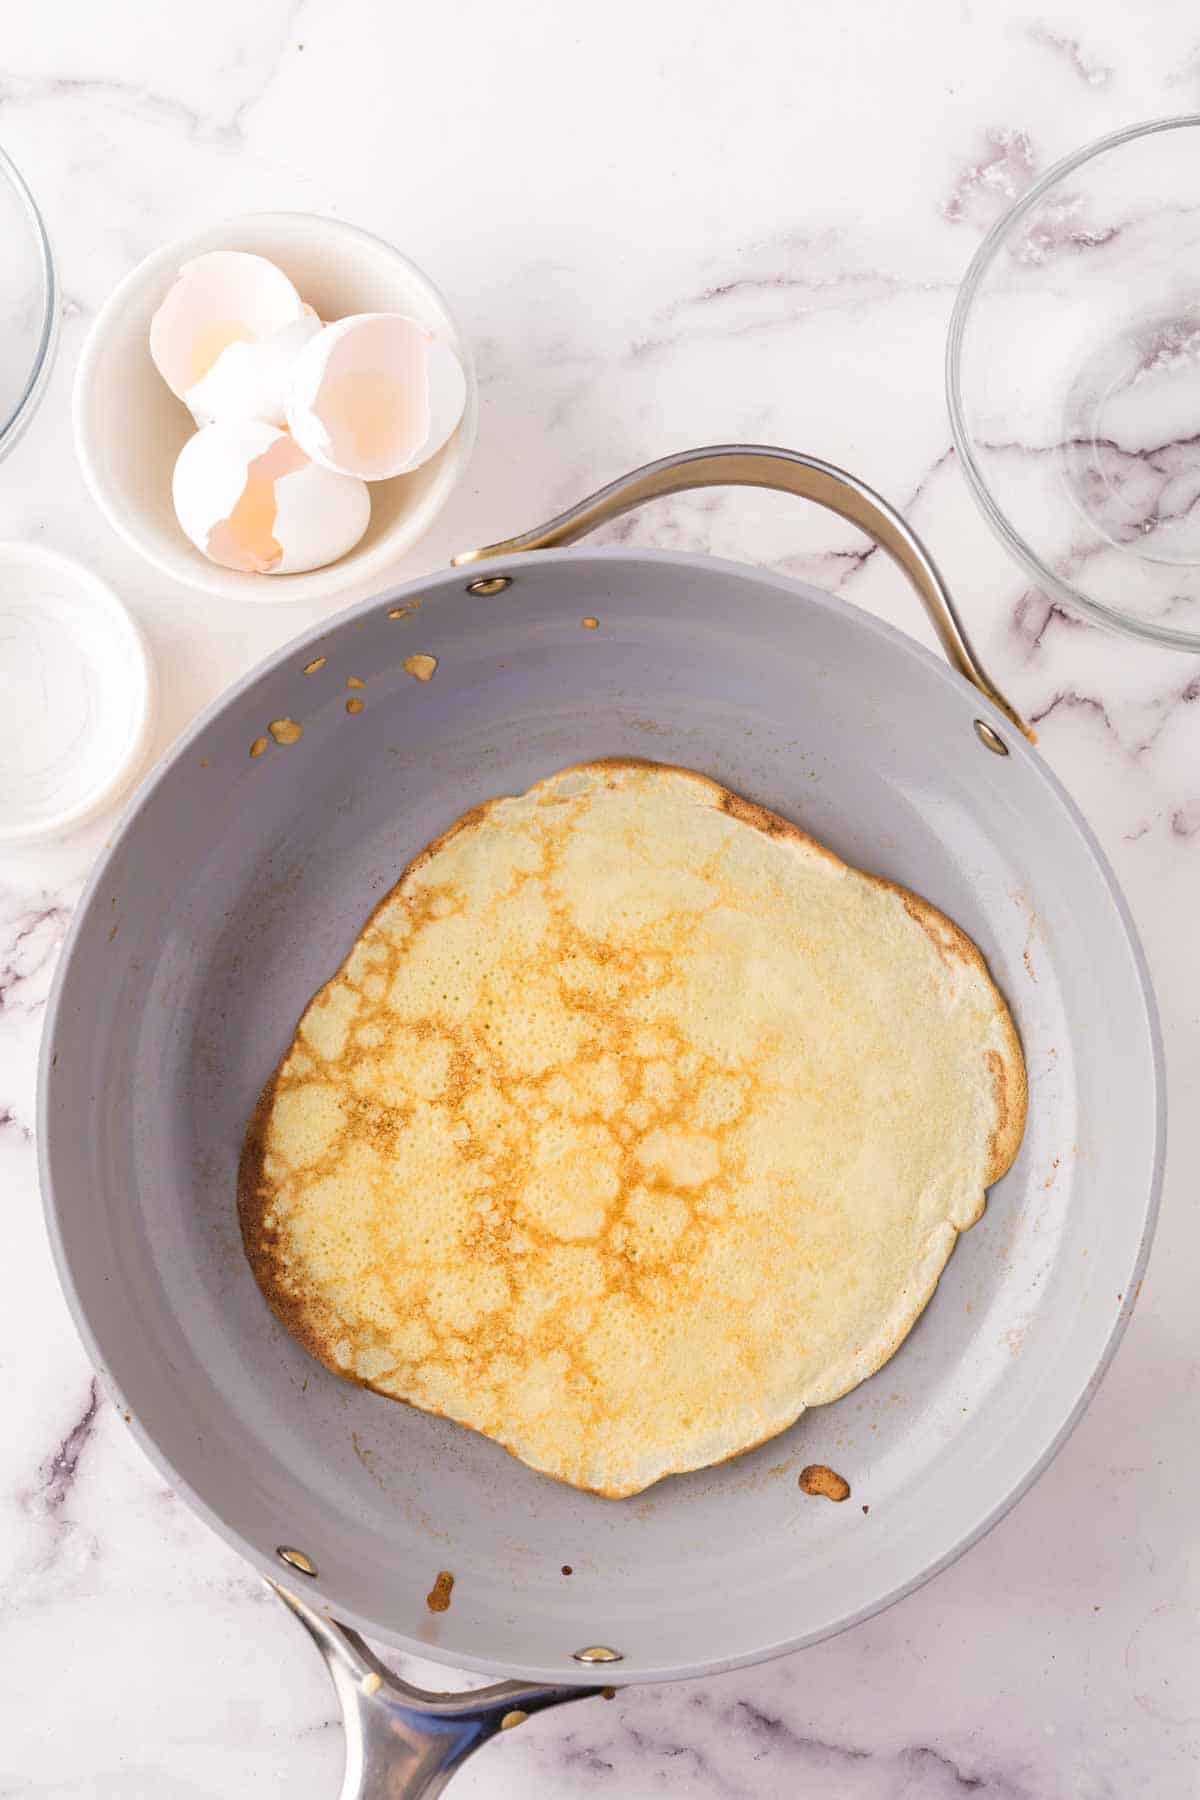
x=634 y=1123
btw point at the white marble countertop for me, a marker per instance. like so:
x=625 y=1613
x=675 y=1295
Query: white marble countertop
x=661 y=226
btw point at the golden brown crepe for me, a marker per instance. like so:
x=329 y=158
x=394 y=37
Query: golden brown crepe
x=634 y=1123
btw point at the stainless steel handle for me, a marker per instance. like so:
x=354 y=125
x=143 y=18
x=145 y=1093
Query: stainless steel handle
x=756 y=465
x=403 y=1743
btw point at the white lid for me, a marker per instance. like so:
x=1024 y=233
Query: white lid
x=76 y=692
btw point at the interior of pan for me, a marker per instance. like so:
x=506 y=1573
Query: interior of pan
x=234 y=889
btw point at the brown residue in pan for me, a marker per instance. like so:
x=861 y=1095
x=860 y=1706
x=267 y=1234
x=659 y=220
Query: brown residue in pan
x=286 y=731
x=353 y=681
x=819 y=1478
x=438 y=1597
x=353 y=707
x=567 y=1569
x=258 y=746
x=402 y=612
x=318 y=662
x=590 y=624
x=421 y=667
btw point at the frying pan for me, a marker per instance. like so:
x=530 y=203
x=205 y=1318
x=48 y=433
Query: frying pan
x=236 y=884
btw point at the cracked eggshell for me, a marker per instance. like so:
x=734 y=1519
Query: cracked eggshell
x=223 y=298
x=250 y=499
x=249 y=380
x=375 y=395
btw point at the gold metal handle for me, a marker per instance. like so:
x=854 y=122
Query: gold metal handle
x=753 y=465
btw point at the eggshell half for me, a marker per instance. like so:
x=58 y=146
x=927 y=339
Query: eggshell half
x=249 y=380
x=375 y=395
x=224 y=297
x=250 y=499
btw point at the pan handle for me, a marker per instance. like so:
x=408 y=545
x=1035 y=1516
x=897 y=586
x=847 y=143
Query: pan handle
x=754 y=465
x=403 y=1743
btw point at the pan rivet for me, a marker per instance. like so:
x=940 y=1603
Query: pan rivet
x=296 y=1559
x=487 y=585
x=990 y=738
x=598 y=1653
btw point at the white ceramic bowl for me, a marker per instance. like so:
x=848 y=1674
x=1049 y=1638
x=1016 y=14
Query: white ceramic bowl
x=129 y=427
x=76 y=694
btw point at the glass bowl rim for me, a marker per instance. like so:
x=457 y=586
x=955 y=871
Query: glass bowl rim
x=12 y=426
x=1148 y=630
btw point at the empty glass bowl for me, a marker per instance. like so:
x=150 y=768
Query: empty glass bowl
x=28 y=305
x=1073 y=380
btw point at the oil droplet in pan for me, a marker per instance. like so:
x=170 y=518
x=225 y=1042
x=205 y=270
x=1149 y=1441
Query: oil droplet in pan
x=318 y=662
x=285 y=731
x=438 y=1597
x=819 y=1478
x=353 y=681
x=590 y=624
x=420 y=666
x=258 y=746
x=354 y=706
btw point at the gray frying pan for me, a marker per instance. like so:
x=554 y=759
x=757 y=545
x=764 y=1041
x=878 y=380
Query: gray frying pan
x=232 y=890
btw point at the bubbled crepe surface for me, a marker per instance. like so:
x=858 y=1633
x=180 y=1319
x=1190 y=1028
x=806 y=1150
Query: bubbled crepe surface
x=634 y=1123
